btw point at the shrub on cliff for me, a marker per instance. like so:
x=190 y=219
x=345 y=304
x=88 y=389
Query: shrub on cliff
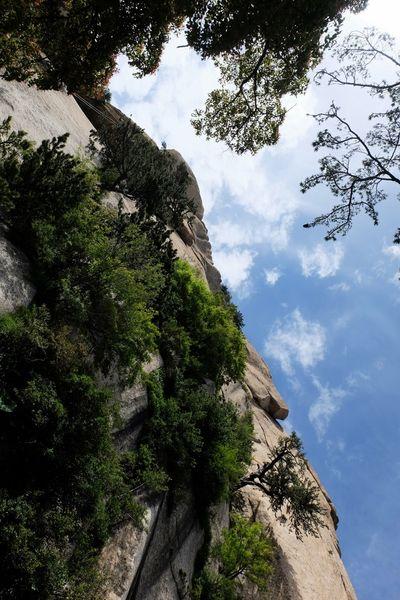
x=63 y=484
x=197 y=439
x=99 y=277
x=200 y=336
x=131 y=163
x=96 y=270
x=244 y=553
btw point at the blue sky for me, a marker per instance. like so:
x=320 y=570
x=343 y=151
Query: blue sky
x=324 y=315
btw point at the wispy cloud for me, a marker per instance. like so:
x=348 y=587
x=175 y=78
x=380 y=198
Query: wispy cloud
x=266 y=206
x=294 y=340
x=340 y=287
x=322 y=261
x=327 y=404
x=357 y=379
x=235 y=267
x=272 y=275
x=392 y=251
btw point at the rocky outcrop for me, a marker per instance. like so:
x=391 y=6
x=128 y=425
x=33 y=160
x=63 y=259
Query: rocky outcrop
x=156 y=563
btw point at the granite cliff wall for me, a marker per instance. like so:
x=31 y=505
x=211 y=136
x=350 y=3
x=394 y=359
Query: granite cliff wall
x=149 y=564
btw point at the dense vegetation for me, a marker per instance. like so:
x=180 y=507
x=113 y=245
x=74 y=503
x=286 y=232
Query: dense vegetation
x=263 y=50
x=109 y=292
x=198 y=441
x=243 y=554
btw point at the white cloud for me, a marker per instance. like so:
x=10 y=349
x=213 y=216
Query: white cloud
x=163 y=104
x=340 y=287
x=359 y=277
x=272 y=275
x=296 y=340
x=322 y=261
x=327 y=404
x=235 y=267
x=392 y=251
x=357 y=379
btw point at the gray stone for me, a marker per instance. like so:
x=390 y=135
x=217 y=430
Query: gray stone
x=115 y=199
x=122 y=555
x=258 y=379
x=16 y=288
x=44 y=114
x=168 y=567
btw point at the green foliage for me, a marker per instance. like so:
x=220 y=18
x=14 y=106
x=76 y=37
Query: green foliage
x=244 y=553
x=263 y=50
x=63 y=486
x=95 y=269
x=210 y=585
x=246 y=112
x=100 y=280
x=244 y=550
x=75 y=43
x=284 y=480
x=236 y=314
x=197 y=440
x=200 y=336
x=152 y=177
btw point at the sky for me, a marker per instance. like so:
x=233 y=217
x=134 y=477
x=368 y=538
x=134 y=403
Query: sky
x=324 y=315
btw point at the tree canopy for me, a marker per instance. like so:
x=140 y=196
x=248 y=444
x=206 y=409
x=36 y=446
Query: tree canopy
x=360 y=169
x=243 y=554
x=263 y=51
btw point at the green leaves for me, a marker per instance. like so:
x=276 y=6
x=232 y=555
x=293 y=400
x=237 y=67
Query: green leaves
x=246 y=112
x=244 y=553
x=195 y=438
x=263 y=52
x=134 y=165
x=244 y=550
x=284 y=479
x=214 y=345
x=96 y=274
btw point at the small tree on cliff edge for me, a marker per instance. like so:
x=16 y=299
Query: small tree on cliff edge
x=283 y=479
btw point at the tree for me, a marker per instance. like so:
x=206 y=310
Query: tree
x=361 y=167
x=52 y=43
x=283 y=479
x=134 y=165
x=263 y=50
x=244 y=552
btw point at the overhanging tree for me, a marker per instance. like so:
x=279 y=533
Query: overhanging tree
x=263 y=50
x=292 y=495
x=361 y=168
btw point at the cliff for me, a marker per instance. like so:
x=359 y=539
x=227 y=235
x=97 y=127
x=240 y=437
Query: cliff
x=155 y=563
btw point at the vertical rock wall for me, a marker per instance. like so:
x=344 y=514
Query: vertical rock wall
x=152 y=564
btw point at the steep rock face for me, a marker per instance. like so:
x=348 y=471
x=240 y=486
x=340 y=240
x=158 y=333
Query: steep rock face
x=152 y=564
